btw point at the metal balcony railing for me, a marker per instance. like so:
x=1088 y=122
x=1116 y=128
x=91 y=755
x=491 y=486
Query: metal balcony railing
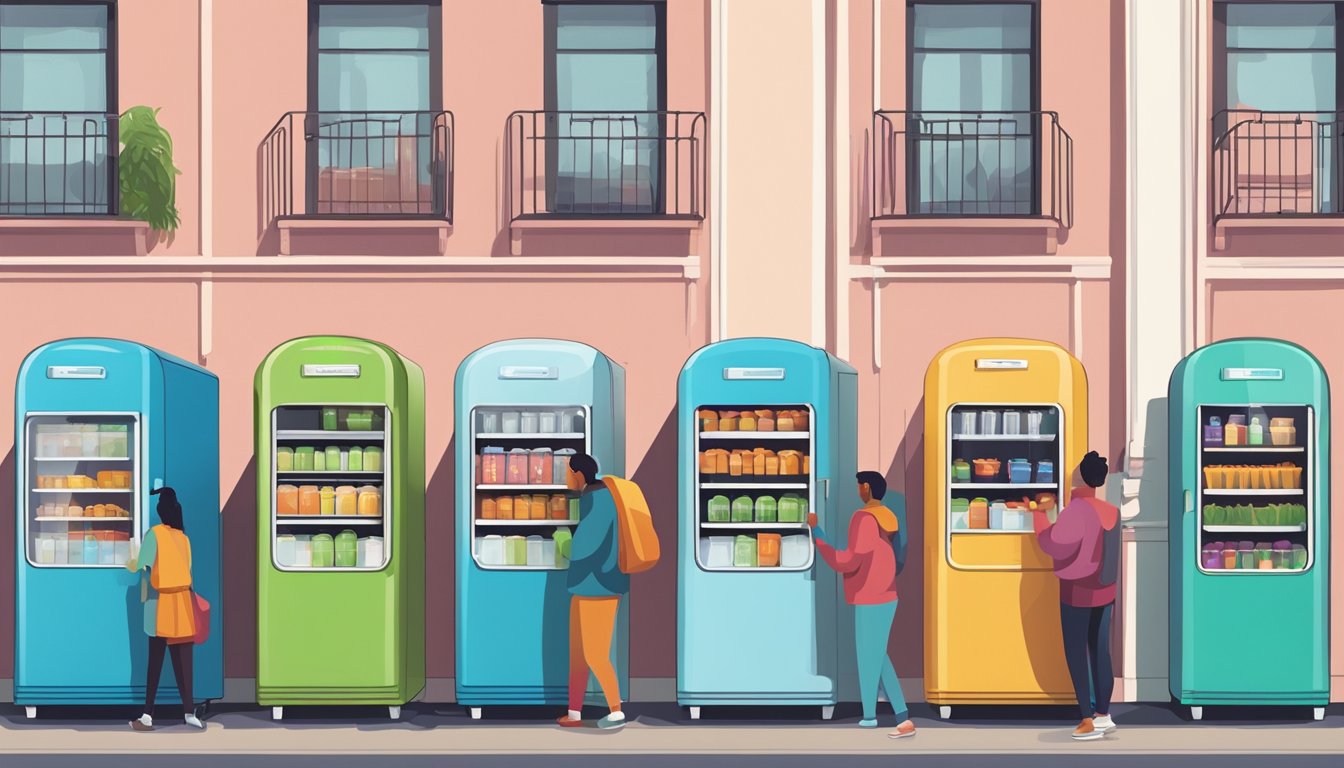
x=358 y=165
x=569 y=164
x=1277 y=164
x=58 y=164
x=971 y=164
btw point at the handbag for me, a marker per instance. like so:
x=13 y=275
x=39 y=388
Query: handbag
x=200 y=610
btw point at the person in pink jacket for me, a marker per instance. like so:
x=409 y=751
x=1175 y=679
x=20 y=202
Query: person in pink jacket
x=1085 y=545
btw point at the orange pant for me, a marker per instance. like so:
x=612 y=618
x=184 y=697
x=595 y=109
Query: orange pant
x=592 y=620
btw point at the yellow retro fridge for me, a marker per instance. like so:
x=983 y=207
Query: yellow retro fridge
x=1005 y=423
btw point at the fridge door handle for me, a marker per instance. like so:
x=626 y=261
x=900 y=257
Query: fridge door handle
x=1189 y=501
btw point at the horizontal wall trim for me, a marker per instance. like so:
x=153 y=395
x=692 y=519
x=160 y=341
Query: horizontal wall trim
x=1262 y=268
x=984 y=267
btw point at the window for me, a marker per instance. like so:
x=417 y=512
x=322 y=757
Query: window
x=1280 y=57
x=57 y=141
x=973 y=91
x=374 y=90
x=605 y=85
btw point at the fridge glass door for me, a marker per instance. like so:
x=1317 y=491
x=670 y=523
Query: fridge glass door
x=1002 y=459
x=522 y=514
x=331 y=487
x=1255 y=502
x=755 y=485
x=81 y=481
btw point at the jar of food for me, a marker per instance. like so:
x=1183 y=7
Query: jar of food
x=373 y=459
x=489 y=509
x=310 y=500
x=319 y=461
x=541 y=467
x=559 y=507
x=355 y=462
x=286 y=500
x=492 y=466
x=346 y=500
x=517 y=467
x=370 y=503
x=328 y=498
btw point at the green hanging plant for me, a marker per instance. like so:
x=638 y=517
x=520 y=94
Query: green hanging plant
x=146 y=174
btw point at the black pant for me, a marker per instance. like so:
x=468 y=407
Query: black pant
x=1087 y=649
x=181 y=653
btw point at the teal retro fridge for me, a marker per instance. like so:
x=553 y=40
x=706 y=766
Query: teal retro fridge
x=1249 y=520
x=767 y=433
x=523 y=408
x=98 y=424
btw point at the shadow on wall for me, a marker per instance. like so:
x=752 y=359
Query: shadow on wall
x=240 y=575
x=7 y=574
x=906 y=475
x=653 y=643
x=1153 y=559
x=440 y=566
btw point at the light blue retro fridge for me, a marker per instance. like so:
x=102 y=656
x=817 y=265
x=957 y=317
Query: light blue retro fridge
x=98 y=423
x=523 y=407
x=767 y=433
x=1249 y=521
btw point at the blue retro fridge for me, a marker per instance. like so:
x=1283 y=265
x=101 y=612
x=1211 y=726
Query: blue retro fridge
x=98 y=423
x=1249 y=520
x=523 y=408
x=767 y=433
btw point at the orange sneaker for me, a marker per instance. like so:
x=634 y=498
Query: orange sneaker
x=903 y=731
x=565 y=721
x=1086 y=731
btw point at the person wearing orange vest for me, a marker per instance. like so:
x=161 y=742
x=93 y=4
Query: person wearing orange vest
x=166 y=553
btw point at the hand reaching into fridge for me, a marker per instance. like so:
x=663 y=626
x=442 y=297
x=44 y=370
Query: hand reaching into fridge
x=812 y=519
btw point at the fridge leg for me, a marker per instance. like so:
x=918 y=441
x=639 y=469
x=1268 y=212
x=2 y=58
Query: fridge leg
x=277 y=713
x=1318 y=713
x=31 y=712
x=827 y=712
x=475 y=713
x=1196 y=713
x=695 y=713
x=945 y=712
x=394 y=713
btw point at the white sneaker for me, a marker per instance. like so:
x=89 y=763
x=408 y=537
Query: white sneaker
x=1103 y=723
x=194 y=722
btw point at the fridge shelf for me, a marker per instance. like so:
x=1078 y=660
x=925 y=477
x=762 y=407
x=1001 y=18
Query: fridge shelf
x=325 y=434
x=1257 y=449
x=1004 y=486
x=534 y=487
x=753 y=486
x=1252 y=491
x=757 y=526
x=361 y=474
x=1005 y=438
x=82 y=519
x=1255 y=528
x=532 y=523
x=329 y=520
x=980 y=531
x=80 y=458
x=83 y=490
x=755 y=435
x=530 y=436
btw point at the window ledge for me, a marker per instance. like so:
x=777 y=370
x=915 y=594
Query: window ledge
x=961 y=267
x=1032 y=227
x=317 y=236
x=61 y=236
x=652 y=227
x=1276 y=226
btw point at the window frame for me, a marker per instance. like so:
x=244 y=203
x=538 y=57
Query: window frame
x=111 y=106
x=1220 y=53
x=912 y=178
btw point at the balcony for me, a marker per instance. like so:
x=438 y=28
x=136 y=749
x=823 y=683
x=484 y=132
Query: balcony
x=362 y=180
x=638 y=175
x=1005 y=175
x=1280 y=173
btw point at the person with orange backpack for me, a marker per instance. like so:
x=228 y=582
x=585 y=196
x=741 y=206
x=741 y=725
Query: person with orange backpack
x=613 y=539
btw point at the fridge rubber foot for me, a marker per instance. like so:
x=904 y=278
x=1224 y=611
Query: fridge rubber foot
x=277 y=713
x=945 y=712
x=1196 y=713
x=827 y=712
x=31 y=712
x=475 y=713
x=1318 y=713
x=394 y=713
x=695 y=713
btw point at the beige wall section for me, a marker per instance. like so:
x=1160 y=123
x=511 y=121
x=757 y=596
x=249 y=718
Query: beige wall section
x=769 y=139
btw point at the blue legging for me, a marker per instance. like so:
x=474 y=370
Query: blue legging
x=872 y=628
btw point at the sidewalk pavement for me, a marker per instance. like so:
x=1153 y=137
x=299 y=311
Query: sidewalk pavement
x=663 y=735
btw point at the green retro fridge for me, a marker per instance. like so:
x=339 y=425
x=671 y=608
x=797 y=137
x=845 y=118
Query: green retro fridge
x=1249 y=520
x=340 y=457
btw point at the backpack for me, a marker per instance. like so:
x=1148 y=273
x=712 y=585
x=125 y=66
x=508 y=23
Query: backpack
x=1108 y=571
x=900 y=539
x=638 y=541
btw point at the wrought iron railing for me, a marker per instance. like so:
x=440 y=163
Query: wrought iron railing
x=358 y=165
x=1277 y=164
x=58 y=164
x=571 y=164
x=971 y=164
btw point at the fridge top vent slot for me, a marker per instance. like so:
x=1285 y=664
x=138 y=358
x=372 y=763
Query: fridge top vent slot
x=529 y=372
x=1000 y=364
x=753 y=374
x=1252 y=374
x=331 y=371
x=76 y=372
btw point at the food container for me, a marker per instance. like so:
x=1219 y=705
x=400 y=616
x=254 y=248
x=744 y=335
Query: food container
x=327 y=500
x=1213 y=432
x=329 y=418
x=744 y=552
x=489 y=422
x=574 y=509
x=508 y=422
x=559 y=507
x=1012 y=422
x=767 y=550
x=319 y=461
x=88 y=440
x=996 y=514
x=743 y=510
x=355 y=460
x=347 y=549
x=489 y=509
x=540 y=467
x=284 y=459
x=986 y=470
x=1034 y=420
x=961 y=471
x=794 y=551
x=504 y=508
x=1045 y=471
x=1234 y=433
x=1019 y=471
x=310 y=500
x=1211 y=557
x=537 y=509
x=1282 y=435
x=529 y=422
x=346 y=500
x=977 y=516
x=1017 y=517
x=1299 y=557
x=790 y=508
x=370 y=501
x=533 y=544
x=370 y=552
x=960 y=520
x=112 y=442
x=303 y=459
x=546 y=422
x=560 y=470
x=989 y=422
x=767 y=509
x=1264 y=557
x=966 y=422
x=493 y=470
x=324 y=551
x=1245 y=559
x=719 y=509
x=516 y=473
x=286 y=500
x=373 y=459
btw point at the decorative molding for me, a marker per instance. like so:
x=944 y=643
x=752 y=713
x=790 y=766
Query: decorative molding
x=983 y=267
x=1271 y=268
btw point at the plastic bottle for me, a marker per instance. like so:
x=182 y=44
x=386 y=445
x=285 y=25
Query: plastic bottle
x=1255 y=435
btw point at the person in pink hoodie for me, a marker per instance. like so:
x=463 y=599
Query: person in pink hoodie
x=1085 y=545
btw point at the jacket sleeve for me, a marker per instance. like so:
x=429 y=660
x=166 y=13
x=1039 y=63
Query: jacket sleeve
x=149 y=551
x=1063 y=539
x=592 y=535
x=862 y=533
